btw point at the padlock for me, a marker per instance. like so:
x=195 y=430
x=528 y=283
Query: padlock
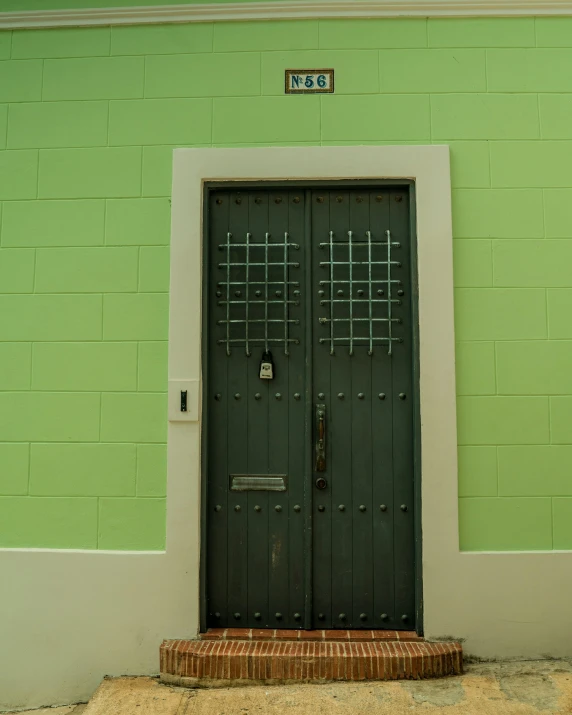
x=266 y=371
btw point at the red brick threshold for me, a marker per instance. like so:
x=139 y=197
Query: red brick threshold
x=271 y=634
x=231 y=662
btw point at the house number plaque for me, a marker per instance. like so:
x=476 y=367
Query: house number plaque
x=309 y=81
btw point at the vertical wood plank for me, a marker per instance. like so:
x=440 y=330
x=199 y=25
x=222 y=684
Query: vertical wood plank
x=321 y=394
x=382 y=432
x=237 y=439
x=258 y=429
x=340 y=424
x=278 y=422
x=361 y=402
x=297 y=467
x=217 y=485
x=403 y=420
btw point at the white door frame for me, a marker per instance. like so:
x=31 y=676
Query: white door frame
x=429 y=167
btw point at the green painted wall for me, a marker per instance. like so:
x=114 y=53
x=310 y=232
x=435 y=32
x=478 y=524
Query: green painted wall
x=27 y=5
x=88 y=119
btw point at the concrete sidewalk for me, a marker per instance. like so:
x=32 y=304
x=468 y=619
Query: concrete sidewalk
x=523 y=688
x=65 y=710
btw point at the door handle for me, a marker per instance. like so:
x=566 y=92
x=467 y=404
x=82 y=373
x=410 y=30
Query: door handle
x=320 y=438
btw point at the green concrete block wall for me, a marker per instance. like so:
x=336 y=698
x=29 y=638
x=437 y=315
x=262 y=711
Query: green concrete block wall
x=88 y=122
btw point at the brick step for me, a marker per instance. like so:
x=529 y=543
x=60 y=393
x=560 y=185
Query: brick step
x=272 y=634
x=225 y=662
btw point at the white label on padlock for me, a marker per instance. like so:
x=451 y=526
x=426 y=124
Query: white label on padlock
x=266 y=372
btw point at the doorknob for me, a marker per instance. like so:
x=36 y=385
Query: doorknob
x=321 y=438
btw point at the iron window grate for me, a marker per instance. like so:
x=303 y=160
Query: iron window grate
x=349 y=319
x=256 y=272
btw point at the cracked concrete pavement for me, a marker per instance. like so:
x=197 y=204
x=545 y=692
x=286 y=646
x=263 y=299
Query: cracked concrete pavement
x=515 y=688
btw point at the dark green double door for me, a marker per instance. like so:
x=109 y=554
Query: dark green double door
x=310 y=513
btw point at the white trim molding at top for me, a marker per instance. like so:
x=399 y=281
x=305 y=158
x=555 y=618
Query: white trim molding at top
x=281 y=10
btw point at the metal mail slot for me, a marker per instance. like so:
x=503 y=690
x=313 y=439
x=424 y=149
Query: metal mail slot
x=258 y=482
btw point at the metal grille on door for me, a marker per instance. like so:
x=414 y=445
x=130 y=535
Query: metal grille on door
x=355 y=319
x=251 y=315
